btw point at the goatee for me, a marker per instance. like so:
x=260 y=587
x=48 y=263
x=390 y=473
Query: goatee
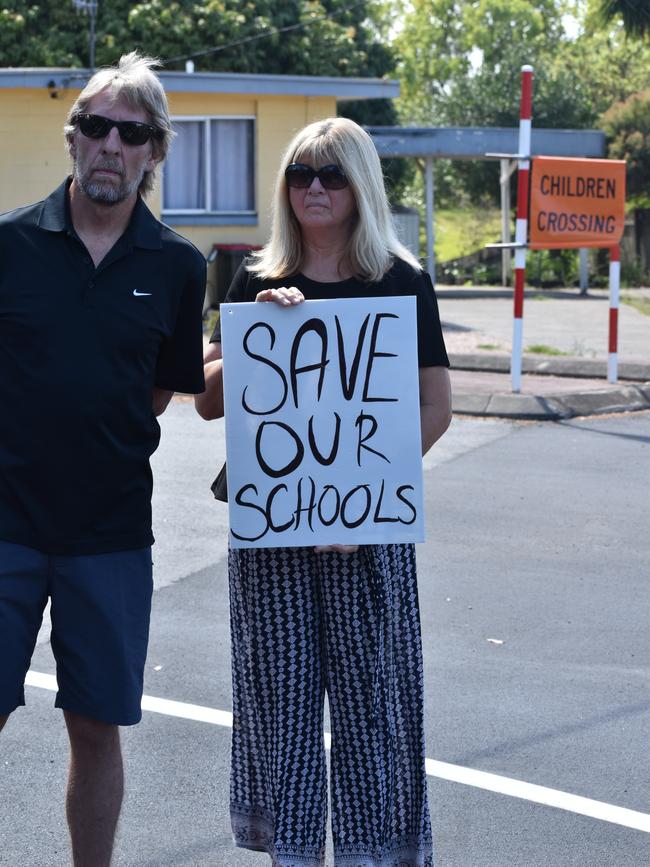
x=105 y=193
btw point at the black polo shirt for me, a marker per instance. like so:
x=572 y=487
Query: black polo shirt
x=81 y=349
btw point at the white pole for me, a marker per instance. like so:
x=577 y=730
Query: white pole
x=584 y=270
x=504 y=183
x=521 y=226
x=614 y=287
x=431 y=256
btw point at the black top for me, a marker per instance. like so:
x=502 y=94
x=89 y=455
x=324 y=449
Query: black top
x=81 y=349
x=401 y=279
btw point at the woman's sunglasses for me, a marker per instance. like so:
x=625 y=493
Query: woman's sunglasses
x=131 y=131
x=300 y=176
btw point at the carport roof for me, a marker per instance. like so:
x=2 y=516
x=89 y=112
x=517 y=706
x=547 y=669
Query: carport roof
x=475 y=142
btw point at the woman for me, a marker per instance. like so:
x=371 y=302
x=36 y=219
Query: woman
x=348 y=625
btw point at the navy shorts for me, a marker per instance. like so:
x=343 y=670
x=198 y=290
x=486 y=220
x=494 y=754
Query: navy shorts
x=101 y=606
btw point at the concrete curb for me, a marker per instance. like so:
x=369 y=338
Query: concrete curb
x=552 y=407
x=579 y=368
x=530 y=293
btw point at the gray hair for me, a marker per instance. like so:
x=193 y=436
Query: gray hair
x=134 y=80
x=373 y=242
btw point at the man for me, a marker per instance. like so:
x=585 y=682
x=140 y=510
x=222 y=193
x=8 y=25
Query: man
x=100 y=322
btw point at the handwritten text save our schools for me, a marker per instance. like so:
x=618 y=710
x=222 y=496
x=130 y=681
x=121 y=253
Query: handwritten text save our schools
x=321 y=409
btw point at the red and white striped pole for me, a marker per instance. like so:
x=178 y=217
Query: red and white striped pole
x=521 y=230
x=614 y=286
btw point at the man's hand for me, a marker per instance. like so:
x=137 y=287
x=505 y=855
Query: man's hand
x=209 y=404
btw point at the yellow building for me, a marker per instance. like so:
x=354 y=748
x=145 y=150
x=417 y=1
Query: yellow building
x=216 y=186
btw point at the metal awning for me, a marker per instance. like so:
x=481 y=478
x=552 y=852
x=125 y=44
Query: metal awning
x=473 y=143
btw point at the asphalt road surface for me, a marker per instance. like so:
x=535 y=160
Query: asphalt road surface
x=535 y=595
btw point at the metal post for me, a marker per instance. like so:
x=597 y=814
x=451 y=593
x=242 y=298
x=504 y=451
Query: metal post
x=89 y=6
x=584 y=270
x=428 y=184
x=614 y=288
x=521 y=231
x=91 y=51
x=506 y=257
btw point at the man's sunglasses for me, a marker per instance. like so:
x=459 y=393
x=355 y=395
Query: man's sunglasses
x=131 y=131
x=301 y=176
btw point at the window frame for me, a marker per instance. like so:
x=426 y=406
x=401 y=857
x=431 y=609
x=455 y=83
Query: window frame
x=205 y=214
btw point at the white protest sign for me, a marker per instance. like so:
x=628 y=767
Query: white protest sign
x=322 y=422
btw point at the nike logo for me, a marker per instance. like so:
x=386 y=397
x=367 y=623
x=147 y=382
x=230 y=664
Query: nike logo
x=138 y=294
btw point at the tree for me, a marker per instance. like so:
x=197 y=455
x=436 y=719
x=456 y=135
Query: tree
x=454 y=53
x=634 y=13
x=460 y=61
x=460 y=65
x=431 y=51
x=627 y=126
x=44 y=34
x=602 y=65
x=299 y=37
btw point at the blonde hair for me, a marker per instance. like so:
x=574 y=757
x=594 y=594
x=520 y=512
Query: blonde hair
x=373 y=243
x=134 y=80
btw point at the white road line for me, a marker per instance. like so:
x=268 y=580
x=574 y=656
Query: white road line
x=187 y=711
x=155 y=705
x=443 y=770
x=539 y=795
x=43 y=681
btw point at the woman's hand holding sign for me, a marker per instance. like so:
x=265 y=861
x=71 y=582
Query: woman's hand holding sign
x=285 y=296
x=209 y=404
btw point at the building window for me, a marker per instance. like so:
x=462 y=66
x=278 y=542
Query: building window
x=211 y=167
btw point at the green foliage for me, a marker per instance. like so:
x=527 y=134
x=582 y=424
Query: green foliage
x=633 y=275
x=548 y=268
x=634 y=13
x=459 y=63
x=483 y=274
x=41 y=34
x=337 y=38
x=333 y=38
x=544 y=349
x=431 y=52
x=627 y=125
x=462 y=231
x=616 y=66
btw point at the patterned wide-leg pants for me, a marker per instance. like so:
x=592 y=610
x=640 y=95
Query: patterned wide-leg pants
x=303 y=624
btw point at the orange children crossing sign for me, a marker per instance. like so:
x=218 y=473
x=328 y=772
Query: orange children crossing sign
x=576 y=203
